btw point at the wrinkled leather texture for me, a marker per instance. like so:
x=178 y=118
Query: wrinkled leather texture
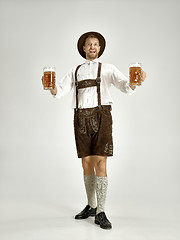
x=82 y=125
x=94 y=123
x=93 y=131
x=88 y=121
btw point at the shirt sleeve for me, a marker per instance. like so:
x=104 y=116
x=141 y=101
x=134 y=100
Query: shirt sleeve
x=65 y=85
x=120 y=81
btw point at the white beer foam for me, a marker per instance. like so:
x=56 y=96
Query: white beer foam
x=135 y=64
x=47 y=69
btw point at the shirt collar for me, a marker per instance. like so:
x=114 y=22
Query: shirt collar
x=93 y=61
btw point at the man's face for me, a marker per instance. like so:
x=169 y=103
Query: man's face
x=91 y=48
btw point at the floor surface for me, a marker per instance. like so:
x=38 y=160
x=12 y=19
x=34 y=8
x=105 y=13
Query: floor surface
x=34 y=222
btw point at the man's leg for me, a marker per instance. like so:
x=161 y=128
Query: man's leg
x=98 y=184
x=89 y=181
x=101 y=191
x=101 y=181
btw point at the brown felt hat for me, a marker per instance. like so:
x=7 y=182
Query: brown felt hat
x=82 y=39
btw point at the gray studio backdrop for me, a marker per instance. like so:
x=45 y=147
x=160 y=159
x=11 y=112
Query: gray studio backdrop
x=38 y=162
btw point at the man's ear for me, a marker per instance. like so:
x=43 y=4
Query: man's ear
x=83 y=48
x=99 y=49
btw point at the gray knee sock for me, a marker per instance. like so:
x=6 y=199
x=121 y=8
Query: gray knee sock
x=90 y=189
x=101 y=191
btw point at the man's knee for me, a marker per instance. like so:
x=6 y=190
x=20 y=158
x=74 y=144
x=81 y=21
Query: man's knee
x=88 y=165
x=100 y=166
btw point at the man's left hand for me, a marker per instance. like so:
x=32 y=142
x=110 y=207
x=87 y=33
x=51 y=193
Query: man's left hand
x=143 y=76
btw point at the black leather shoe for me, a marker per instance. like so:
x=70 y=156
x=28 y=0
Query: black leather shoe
x=102 y=220
x=86 y=212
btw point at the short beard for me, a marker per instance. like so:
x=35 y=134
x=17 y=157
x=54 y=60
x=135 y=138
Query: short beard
x=89 y=56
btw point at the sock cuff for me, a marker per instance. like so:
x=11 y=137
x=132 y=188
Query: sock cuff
x=92 y=176
x=101 y=178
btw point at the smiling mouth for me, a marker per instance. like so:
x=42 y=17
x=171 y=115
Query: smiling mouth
x=92 y=51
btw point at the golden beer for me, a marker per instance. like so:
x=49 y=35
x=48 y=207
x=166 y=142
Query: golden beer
x=135 y=74
x=49 y=78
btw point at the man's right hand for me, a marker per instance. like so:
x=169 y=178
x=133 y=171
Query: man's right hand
x=53 y=91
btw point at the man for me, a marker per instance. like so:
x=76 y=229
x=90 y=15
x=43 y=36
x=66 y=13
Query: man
x=93 y=120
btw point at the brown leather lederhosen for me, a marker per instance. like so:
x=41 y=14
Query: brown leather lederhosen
x=92 y=126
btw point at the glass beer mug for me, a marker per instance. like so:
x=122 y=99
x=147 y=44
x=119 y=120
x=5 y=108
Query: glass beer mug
x=49 y=77
x=135 y=74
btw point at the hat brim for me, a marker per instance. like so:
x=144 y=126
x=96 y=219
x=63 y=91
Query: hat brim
x=81 y=41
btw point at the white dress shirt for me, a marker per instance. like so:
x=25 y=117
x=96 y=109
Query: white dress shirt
x=87 y=97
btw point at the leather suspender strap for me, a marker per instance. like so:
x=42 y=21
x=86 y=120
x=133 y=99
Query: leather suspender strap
x=98 y=80
x=76 y=84
x=87 y=83
x=90 y=82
